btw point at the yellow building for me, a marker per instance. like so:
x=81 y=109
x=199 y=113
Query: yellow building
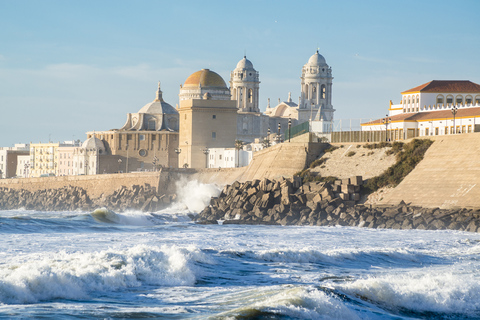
x=208 y=118
x=43 y=159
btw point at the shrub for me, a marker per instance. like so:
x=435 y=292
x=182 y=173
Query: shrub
x=379 y=145
x=330 y=149
x=407 y=159
x=308 y=176
x=317 y=162
x=350 y=154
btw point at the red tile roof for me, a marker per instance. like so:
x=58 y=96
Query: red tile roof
x=447 y=86
x=429 y=115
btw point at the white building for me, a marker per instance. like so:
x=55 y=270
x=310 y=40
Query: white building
x=244 y=86
x=228 y=158
x=435 y=108
x=9 y=159
x=23 y=166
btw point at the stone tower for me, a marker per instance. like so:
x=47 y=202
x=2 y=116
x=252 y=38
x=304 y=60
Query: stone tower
x=244 y=86
x=316 y=92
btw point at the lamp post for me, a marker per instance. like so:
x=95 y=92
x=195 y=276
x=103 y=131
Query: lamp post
x=206 y=151
x=454 y=112
x=289 y=128
x=178 y=151
x=386 y=121
x=126 y=165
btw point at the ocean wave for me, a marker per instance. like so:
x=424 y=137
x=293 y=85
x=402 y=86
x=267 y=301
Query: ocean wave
x=76 y=275
x=350 y=257
x=287 y=302
x=419 y=293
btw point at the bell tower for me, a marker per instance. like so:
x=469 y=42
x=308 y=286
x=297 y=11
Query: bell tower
x=244 y=86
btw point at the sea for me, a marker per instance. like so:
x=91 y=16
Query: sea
x=161 y=265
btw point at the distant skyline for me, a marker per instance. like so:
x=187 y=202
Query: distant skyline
x=68 y=67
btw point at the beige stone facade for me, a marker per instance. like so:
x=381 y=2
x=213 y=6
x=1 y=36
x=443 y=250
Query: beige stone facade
x=205 y=124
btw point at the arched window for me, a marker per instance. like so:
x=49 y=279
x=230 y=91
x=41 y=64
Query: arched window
x=306 y=92
x=468 y=99
x=250 y=95
x=439 y=100
x=324 y=92
x=459 y=99
x=477 y=100
x=418 y=100
x=449 y=99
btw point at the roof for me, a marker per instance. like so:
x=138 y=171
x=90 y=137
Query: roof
x=204 y=78
x=447 y=86
x=316 y=60
x=429 y=115
x=245 y=64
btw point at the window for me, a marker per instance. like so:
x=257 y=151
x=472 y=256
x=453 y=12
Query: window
x=446 y=130
x=459 y=100
x=440 y=100
x=151 y=125
x=214 y=135
x=468 y=100
x=449 y=100
x=324 y=92
x=220 y=157
x=250 y=95
x=142 y=137
x=214 y=116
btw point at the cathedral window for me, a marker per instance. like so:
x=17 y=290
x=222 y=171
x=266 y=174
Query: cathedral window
x=151 y=125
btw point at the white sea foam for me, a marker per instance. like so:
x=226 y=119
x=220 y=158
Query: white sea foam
x=194 y=195
x=290 y=301
x=427 y=290
x=75 y=275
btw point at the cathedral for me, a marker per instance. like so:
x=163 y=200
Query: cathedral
x=211 y=115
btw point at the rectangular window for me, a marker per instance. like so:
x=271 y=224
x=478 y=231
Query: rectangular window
x=214 y=135
x=214 y=116
x=449 y=100
x=436 y=131
x=451 y=130
x=469 y=128
x=220 y=157
x=446 y=130
x=142 y=137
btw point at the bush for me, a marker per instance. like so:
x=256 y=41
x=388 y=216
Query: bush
x=308 y=176
x=317 y=162
x=379 y=145
x=407 y=159
x=350 y=154
x=330 y=149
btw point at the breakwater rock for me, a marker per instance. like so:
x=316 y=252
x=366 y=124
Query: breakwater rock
x=137 y=197
x=287 y=202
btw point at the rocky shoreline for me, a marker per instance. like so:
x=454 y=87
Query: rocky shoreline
x=287 y=202
x=69 y=198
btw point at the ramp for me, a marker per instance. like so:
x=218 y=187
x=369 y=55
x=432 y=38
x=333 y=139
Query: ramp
x=447 y=177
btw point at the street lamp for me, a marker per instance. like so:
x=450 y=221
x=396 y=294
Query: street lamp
x=386 y=121
x=454 y=112
x=289 y=128
x=206 y=151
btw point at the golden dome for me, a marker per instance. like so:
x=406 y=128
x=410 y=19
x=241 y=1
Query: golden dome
x=204 y=78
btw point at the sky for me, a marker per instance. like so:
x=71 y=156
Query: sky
x=68 y=67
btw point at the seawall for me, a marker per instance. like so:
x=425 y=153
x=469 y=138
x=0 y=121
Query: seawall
x=447 y=177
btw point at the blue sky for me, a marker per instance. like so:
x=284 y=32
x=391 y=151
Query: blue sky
x=68 y=67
